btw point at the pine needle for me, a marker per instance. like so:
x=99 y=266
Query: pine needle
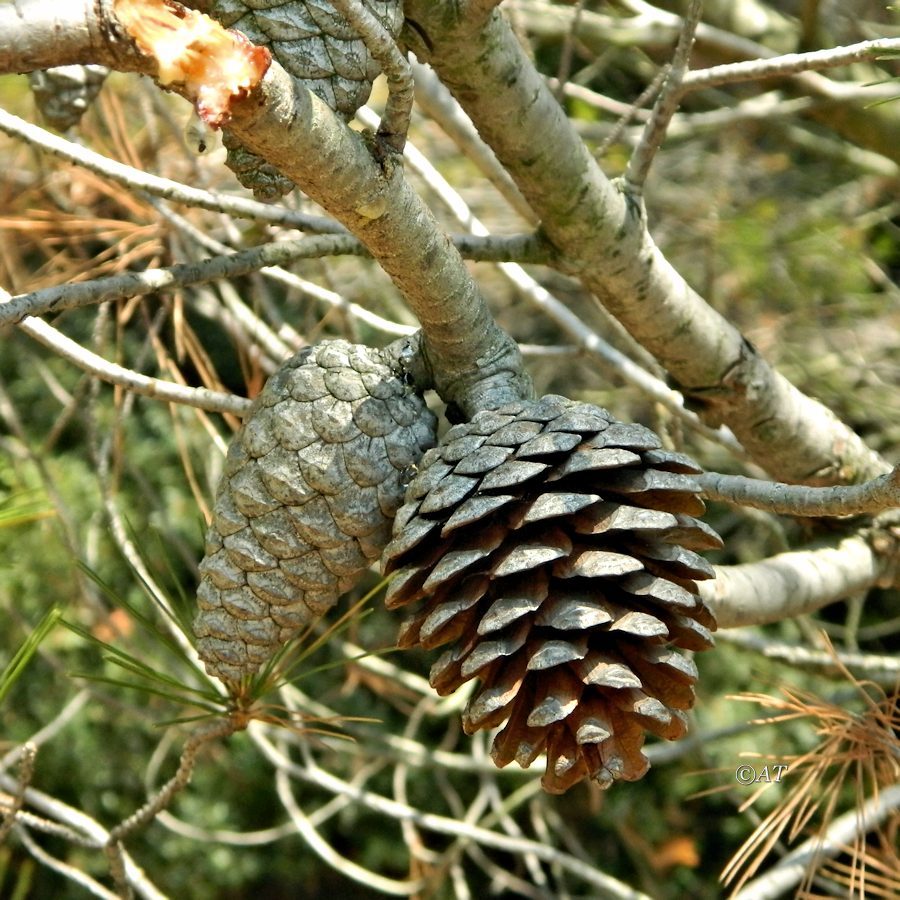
x=859 y=748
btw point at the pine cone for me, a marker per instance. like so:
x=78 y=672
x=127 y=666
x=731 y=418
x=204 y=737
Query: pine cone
x=311 y=483
x=318 y=47
x=64 y=93
x=551 y=547
x=253 y=172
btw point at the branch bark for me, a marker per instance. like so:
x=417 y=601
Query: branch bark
x=604 y=237
x=136 y=382
x=798 y=500
x=474 y=364
x=846 y=112
x=795 y=583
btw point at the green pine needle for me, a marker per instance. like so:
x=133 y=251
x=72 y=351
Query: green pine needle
x=24 y=507
x=23 y=655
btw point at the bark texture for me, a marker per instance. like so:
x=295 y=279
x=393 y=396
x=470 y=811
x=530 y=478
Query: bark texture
x=602 y=235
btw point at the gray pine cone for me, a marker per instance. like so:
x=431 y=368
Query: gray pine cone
x=551 y=547
x=64 y=93
x=311 y=484
x=318 y=47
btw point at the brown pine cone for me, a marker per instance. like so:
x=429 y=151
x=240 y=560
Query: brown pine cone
x=311 y=484
x=319 y=48
x=551 y=547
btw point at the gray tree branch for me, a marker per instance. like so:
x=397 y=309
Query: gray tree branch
x=797 y=582
x=604 y=238
x=873 y=496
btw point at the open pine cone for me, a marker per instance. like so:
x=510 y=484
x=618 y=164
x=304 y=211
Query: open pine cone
x=311 y=484
x=319 y=48
x=552 y=548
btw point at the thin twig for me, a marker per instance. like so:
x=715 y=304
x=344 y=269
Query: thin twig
x=315 y=775
x=244 y=839
x=139 y=284
x=162 y=798
x=873 y=496
x=329 y=855
x=68 y=871
x=394 y=125
x=568 y=50
x=137 y=180
x=789 y=64
x=31 y=822
x=94 y=833
x=199 y=397
x=9 y=810
x=232 y=265
x=629 y=112
x=884 y=670
x=282 y=276
x=526 y=248
x=665 y=107
x=251 y=325
x=436 y=101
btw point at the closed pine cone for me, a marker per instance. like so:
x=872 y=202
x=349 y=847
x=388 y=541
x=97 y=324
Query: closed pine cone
x=319 y=48
x=311 y=484
x=64 y=93
x=551 y=547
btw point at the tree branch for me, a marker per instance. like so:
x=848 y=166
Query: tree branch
x=884 y=670
x=201 y=398
x=798 y=500
x=474 y=364
x=789 y=64
x=797 y=582
x=136 y=180
x=438 y=104
x=876 y=129
x=604 y=237
x=92 y=833
x=397 y=111
x=139 y=284
x=314 y=774
x=665 y=107
x=522 y=247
